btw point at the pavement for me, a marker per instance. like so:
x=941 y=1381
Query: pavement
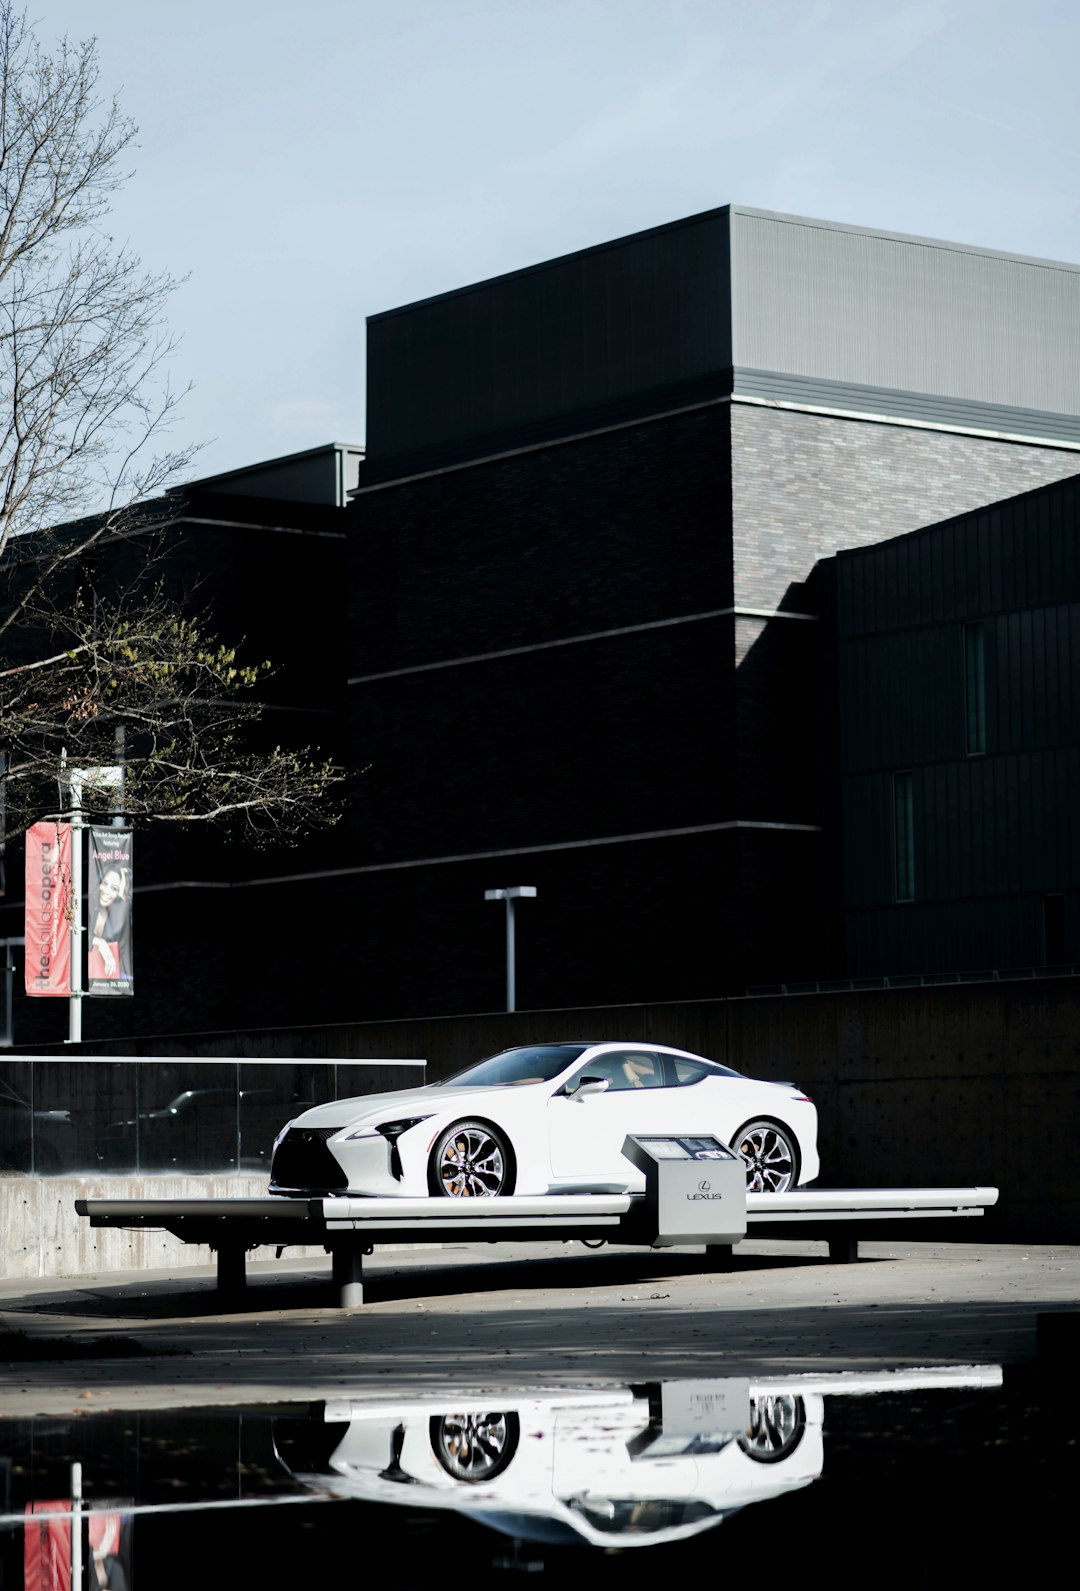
x=466 y=1317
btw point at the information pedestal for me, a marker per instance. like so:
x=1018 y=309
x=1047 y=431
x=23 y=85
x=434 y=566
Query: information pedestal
x=695 y=1188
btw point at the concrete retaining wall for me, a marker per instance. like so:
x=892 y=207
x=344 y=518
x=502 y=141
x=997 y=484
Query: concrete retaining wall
x=42 y=1236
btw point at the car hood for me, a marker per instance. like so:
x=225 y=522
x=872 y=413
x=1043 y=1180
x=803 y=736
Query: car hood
x=375 y=1108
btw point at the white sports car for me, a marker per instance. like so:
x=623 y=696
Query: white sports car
x=545 y=1118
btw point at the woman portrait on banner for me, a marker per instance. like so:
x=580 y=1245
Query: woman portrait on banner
x=109 y=955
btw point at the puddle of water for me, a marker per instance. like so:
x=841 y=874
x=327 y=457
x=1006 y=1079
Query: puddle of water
x=918 y=1478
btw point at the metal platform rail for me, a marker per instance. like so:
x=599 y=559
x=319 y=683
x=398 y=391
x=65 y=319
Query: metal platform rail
x=349 y=1228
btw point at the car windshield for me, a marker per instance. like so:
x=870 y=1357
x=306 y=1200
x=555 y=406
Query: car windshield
x=538 y=1063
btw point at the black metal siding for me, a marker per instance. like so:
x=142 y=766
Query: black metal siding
x=996 y=832
x=636 y=327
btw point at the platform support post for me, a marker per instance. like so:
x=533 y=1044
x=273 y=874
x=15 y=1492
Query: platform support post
x=231 y=1274
x=720 y=1256
x=844 y=1248
x=348 y=1272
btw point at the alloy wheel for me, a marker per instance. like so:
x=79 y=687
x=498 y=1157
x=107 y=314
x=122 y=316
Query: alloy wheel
x=476 y=1446
x=769 y=1155
x=471 y=1164
x=777 y=1422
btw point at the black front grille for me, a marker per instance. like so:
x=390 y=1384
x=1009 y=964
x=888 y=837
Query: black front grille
x=303 y=1161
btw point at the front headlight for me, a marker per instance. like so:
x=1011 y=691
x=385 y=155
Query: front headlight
x=390 y=1130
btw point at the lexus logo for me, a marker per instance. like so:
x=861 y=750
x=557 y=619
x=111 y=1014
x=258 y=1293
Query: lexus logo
x=703 y=1187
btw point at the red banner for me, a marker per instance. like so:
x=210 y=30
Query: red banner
x=47 y=1543
x=48 y=893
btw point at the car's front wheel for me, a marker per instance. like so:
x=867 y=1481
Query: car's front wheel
x=772 y=1161
x=475 y=1447
x=471 y=1160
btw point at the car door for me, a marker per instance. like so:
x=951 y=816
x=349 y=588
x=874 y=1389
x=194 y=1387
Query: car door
x=586 y=1134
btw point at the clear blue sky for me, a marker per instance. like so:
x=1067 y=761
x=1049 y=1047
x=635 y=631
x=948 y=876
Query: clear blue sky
x=309 y=164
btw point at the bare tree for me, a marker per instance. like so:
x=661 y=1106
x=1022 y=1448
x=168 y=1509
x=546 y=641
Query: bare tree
x=89 y=666
x=84 y=394
x=128 y=679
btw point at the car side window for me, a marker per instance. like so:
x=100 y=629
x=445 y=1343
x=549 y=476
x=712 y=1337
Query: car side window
x=626 y=1069
x=687 y=1072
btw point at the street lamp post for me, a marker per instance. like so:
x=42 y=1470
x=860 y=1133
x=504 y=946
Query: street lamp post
x=514 y=893
x=75 y=998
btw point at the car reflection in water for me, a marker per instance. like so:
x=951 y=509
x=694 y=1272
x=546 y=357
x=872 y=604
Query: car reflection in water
x=556 y=1476
x=628 y=1466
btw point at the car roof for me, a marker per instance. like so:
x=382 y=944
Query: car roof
x=620 y=1044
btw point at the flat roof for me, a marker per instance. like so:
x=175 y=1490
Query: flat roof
x=269 y=464
x=813 y=222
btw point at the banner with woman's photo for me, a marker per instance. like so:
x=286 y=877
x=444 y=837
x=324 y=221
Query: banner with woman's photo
x=108 y=926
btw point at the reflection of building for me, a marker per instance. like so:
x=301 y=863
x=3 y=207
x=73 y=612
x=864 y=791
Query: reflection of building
x=580 y=599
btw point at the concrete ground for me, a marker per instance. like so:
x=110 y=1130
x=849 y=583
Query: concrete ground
x=487 y=1316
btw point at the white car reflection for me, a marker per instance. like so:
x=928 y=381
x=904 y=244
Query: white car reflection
x=623 y=1466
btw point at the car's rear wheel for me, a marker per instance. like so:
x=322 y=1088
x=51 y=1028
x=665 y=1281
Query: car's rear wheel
x=471 y=1160
x=772 y=1161
x=775 y=1428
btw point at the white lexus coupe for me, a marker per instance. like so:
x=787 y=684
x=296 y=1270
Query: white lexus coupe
x=545 y=1118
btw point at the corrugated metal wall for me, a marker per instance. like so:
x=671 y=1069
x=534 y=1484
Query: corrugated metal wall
x=845 y=305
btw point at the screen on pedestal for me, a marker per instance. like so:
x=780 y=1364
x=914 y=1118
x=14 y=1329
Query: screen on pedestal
x=701 y=1148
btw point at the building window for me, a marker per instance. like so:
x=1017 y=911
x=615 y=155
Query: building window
x=1053 y=930
x=904 y=836
x=975 y=687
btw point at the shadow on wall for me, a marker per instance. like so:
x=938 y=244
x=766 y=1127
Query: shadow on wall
x=781 y=756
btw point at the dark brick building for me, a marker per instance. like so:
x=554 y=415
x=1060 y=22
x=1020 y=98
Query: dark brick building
x=268 y=571
x=585 y=635
x=584 y=631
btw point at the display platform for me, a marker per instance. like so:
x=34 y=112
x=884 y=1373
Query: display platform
x=695 y=1195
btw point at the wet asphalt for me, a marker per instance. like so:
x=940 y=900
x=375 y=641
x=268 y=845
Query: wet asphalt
x=500 y=1315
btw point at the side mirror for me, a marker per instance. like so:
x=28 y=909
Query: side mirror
x=590 y=1085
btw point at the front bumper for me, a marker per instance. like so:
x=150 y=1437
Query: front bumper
x=315 y=1160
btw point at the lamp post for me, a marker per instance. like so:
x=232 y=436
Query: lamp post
x=510 y=895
